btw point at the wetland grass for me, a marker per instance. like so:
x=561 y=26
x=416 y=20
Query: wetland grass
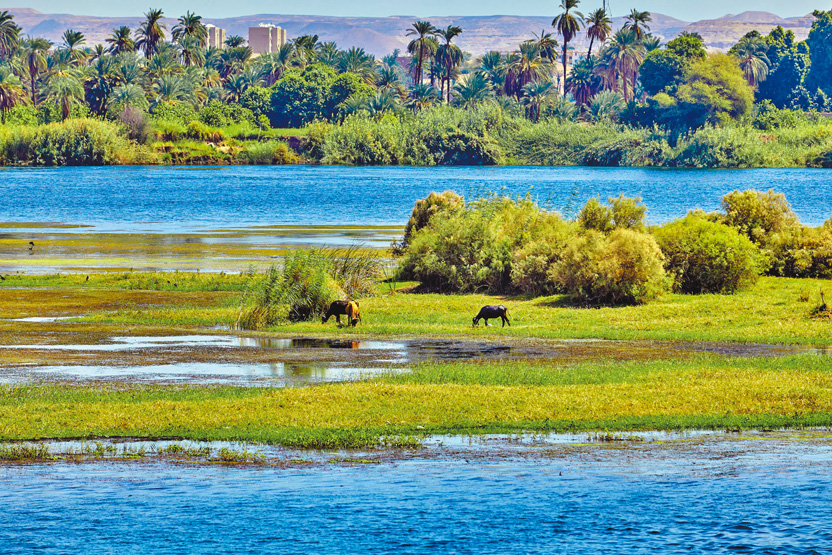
x=707 y=392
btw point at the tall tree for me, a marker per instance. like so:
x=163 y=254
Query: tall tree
x=750 y=52
x=120 y=41
x=151 y=33
x=599 y=27
x=190 y=26
x=34 y=60
x=72 y=41
x=638 y=22
x=9 y=35
x=421 y=45
x=11 y=91
x=65 y=90
x=526 y=67
x=568 y=24
x=622 y=57
x=448 y=54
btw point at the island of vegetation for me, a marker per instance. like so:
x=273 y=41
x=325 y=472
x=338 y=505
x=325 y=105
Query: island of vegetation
x=713 y=321
x=632 y=101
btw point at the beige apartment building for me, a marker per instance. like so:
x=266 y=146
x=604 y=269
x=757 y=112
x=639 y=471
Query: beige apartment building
x=216 y=36
x=266 y=38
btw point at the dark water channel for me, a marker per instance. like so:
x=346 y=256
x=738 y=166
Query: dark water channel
x=715 y=493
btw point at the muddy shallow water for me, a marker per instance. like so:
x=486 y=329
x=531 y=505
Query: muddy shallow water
x=755 y=493
x=280 y=362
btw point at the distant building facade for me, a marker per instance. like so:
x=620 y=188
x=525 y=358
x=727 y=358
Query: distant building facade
x=266 y=38
x=216 y=36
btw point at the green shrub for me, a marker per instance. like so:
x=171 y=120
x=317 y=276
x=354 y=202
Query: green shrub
x=258 y=100
x=801 y=252
x=301 y=290
x=74 y=142
x=269 y=153
x=219 y=114
x=621 y=213
x=533 y=261
x=21 y=115
x=757 y=214
x=707 y=257
x=178 y=113
x=435 y=203
x=623 y=267
x=199 y=131
x=471 y=249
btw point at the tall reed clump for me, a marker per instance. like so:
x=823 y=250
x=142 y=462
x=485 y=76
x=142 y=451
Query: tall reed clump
x=73 y=142
x=268 y=153
x=304 y=287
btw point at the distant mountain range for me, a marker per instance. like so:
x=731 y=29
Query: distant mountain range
x=381 y=35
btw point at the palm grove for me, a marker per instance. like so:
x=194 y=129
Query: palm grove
x=630 y=95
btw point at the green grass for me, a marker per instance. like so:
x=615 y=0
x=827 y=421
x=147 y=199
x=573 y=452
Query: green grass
x=704 y=393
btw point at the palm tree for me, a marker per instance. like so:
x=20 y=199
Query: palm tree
x=637 y=21
x=536 y=94
x=120 y=41
x=34 y=59
x=306 y=47
x=235 y=41
x=236 y=85
x=9 y=35
x=474 y=90
x=651 y=43
x=582 y=82
x=751 y=51
x=547 y=45
x=422 y=96
x=383 y=101
x=526 y=67
x=172 y=88
x=65 y=90
x=11 y=91
x=274 y=64
x=622 y=57
x=328 y=53
x=150 y=33
x=99 y=83
x=190 y=26
x=449 y=55
x=421 y=46
x=128 y=95
x=193 y=50
x=492 y=66
x=599 y=27
x=356 y=60
x=568 y=25
x=72 y=40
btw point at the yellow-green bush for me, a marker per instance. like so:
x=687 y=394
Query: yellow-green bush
x=708 y=257
x=625 y=266
x=269 y=153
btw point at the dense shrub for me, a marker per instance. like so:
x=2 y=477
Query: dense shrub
x=532 y=261
x=201 y=132
x=21 y=115
x=269 y=153
x=219 y=114
x=757 y=214
x=707 y=257
x=301 y=290
x=620 y=213
x=622 y=267
x=435 y=203
x=257 y=100
x=471 y=249
x=178 y=113
x=801 y=252
x=136 y=123
x=74 y=142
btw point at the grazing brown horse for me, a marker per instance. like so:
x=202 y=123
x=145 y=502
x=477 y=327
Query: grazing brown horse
x=343 y=308
x=489 y=312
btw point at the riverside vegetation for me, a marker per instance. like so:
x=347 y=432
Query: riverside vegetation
x=698 y=295
x=632 y=102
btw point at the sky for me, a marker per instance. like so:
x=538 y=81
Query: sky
x=686 y=10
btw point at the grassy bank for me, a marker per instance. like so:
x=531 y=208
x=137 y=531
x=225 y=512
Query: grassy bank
x=708 y=393
x=775 y=310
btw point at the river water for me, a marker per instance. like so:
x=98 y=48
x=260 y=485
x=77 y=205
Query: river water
x=764 y=493
x=166 y=200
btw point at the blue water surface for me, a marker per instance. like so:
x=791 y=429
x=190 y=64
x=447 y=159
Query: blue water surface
x=177 y=199
x=421 y=506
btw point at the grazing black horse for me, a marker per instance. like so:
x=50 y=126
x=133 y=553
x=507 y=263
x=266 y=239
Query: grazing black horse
x=489 y=312
x=343 y=308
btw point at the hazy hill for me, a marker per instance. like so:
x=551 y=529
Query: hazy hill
x=381 y=35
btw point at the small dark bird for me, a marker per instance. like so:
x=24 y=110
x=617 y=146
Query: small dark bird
x=2 y=278
x=88 y=278
x=31 y=245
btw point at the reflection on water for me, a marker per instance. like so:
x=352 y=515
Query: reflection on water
x=714 y=494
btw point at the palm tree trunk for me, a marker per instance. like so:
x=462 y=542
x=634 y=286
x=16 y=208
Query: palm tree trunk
x=589 y=53
x=419 y=67
x=564 y=68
